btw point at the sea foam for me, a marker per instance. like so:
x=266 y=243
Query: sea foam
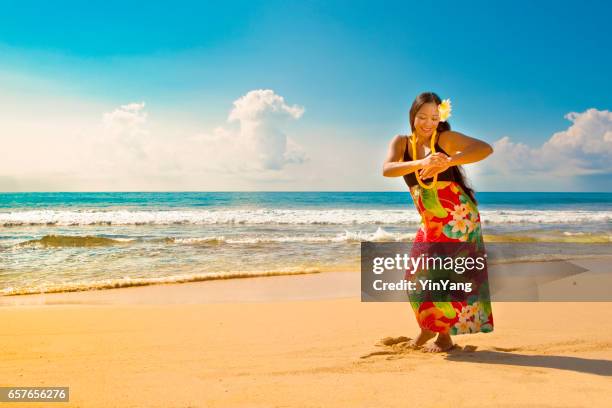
x=262 y=216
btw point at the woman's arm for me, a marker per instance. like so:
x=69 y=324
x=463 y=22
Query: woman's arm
x=393 y=165
x=462 y=149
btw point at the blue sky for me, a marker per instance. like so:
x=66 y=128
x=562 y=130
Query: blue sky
x=511 y=70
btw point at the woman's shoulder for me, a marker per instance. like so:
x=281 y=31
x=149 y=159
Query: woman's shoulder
x=446 y=134
x=398 y=148
x=448 y=138
x=399 y=140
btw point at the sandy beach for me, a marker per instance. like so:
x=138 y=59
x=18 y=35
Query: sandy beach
x=295 y=341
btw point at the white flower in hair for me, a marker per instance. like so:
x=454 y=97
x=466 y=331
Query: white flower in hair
x=445 y=110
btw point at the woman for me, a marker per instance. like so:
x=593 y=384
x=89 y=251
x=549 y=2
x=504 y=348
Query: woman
x=448 y=210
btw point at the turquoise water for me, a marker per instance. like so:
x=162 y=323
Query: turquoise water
x=73 y=241
x=542 y=201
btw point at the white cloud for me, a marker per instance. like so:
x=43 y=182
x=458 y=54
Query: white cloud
x=262 y=114
x=586 y=144
x=262 y=104
x=128 y=118
x=251 y=147
x=584 y=148
x=84 y=146
x=124 y=133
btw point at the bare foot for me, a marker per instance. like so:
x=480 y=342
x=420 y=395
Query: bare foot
x=422 y=338
x=442 y=343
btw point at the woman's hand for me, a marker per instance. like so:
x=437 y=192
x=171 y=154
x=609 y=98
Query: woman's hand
x=434 y=164
x=435 y=159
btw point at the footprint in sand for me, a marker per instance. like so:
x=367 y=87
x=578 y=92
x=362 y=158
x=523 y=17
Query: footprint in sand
x=395 y=347
x=506 y=349
x=390 y=341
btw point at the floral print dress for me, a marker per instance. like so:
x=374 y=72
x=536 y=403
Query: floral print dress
x=449 y=215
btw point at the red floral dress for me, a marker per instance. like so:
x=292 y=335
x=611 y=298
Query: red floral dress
x=449 y=215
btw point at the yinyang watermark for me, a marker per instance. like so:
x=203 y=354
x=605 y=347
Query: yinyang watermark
x=463 y=271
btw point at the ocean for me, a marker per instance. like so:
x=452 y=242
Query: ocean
x=52 y=242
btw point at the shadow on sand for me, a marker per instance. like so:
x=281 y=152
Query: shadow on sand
x=399 y=347
x=469 y=354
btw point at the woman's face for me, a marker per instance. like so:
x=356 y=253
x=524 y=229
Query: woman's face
x=427 y=119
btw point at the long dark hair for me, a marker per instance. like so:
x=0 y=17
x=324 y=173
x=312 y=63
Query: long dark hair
x=429 y=97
